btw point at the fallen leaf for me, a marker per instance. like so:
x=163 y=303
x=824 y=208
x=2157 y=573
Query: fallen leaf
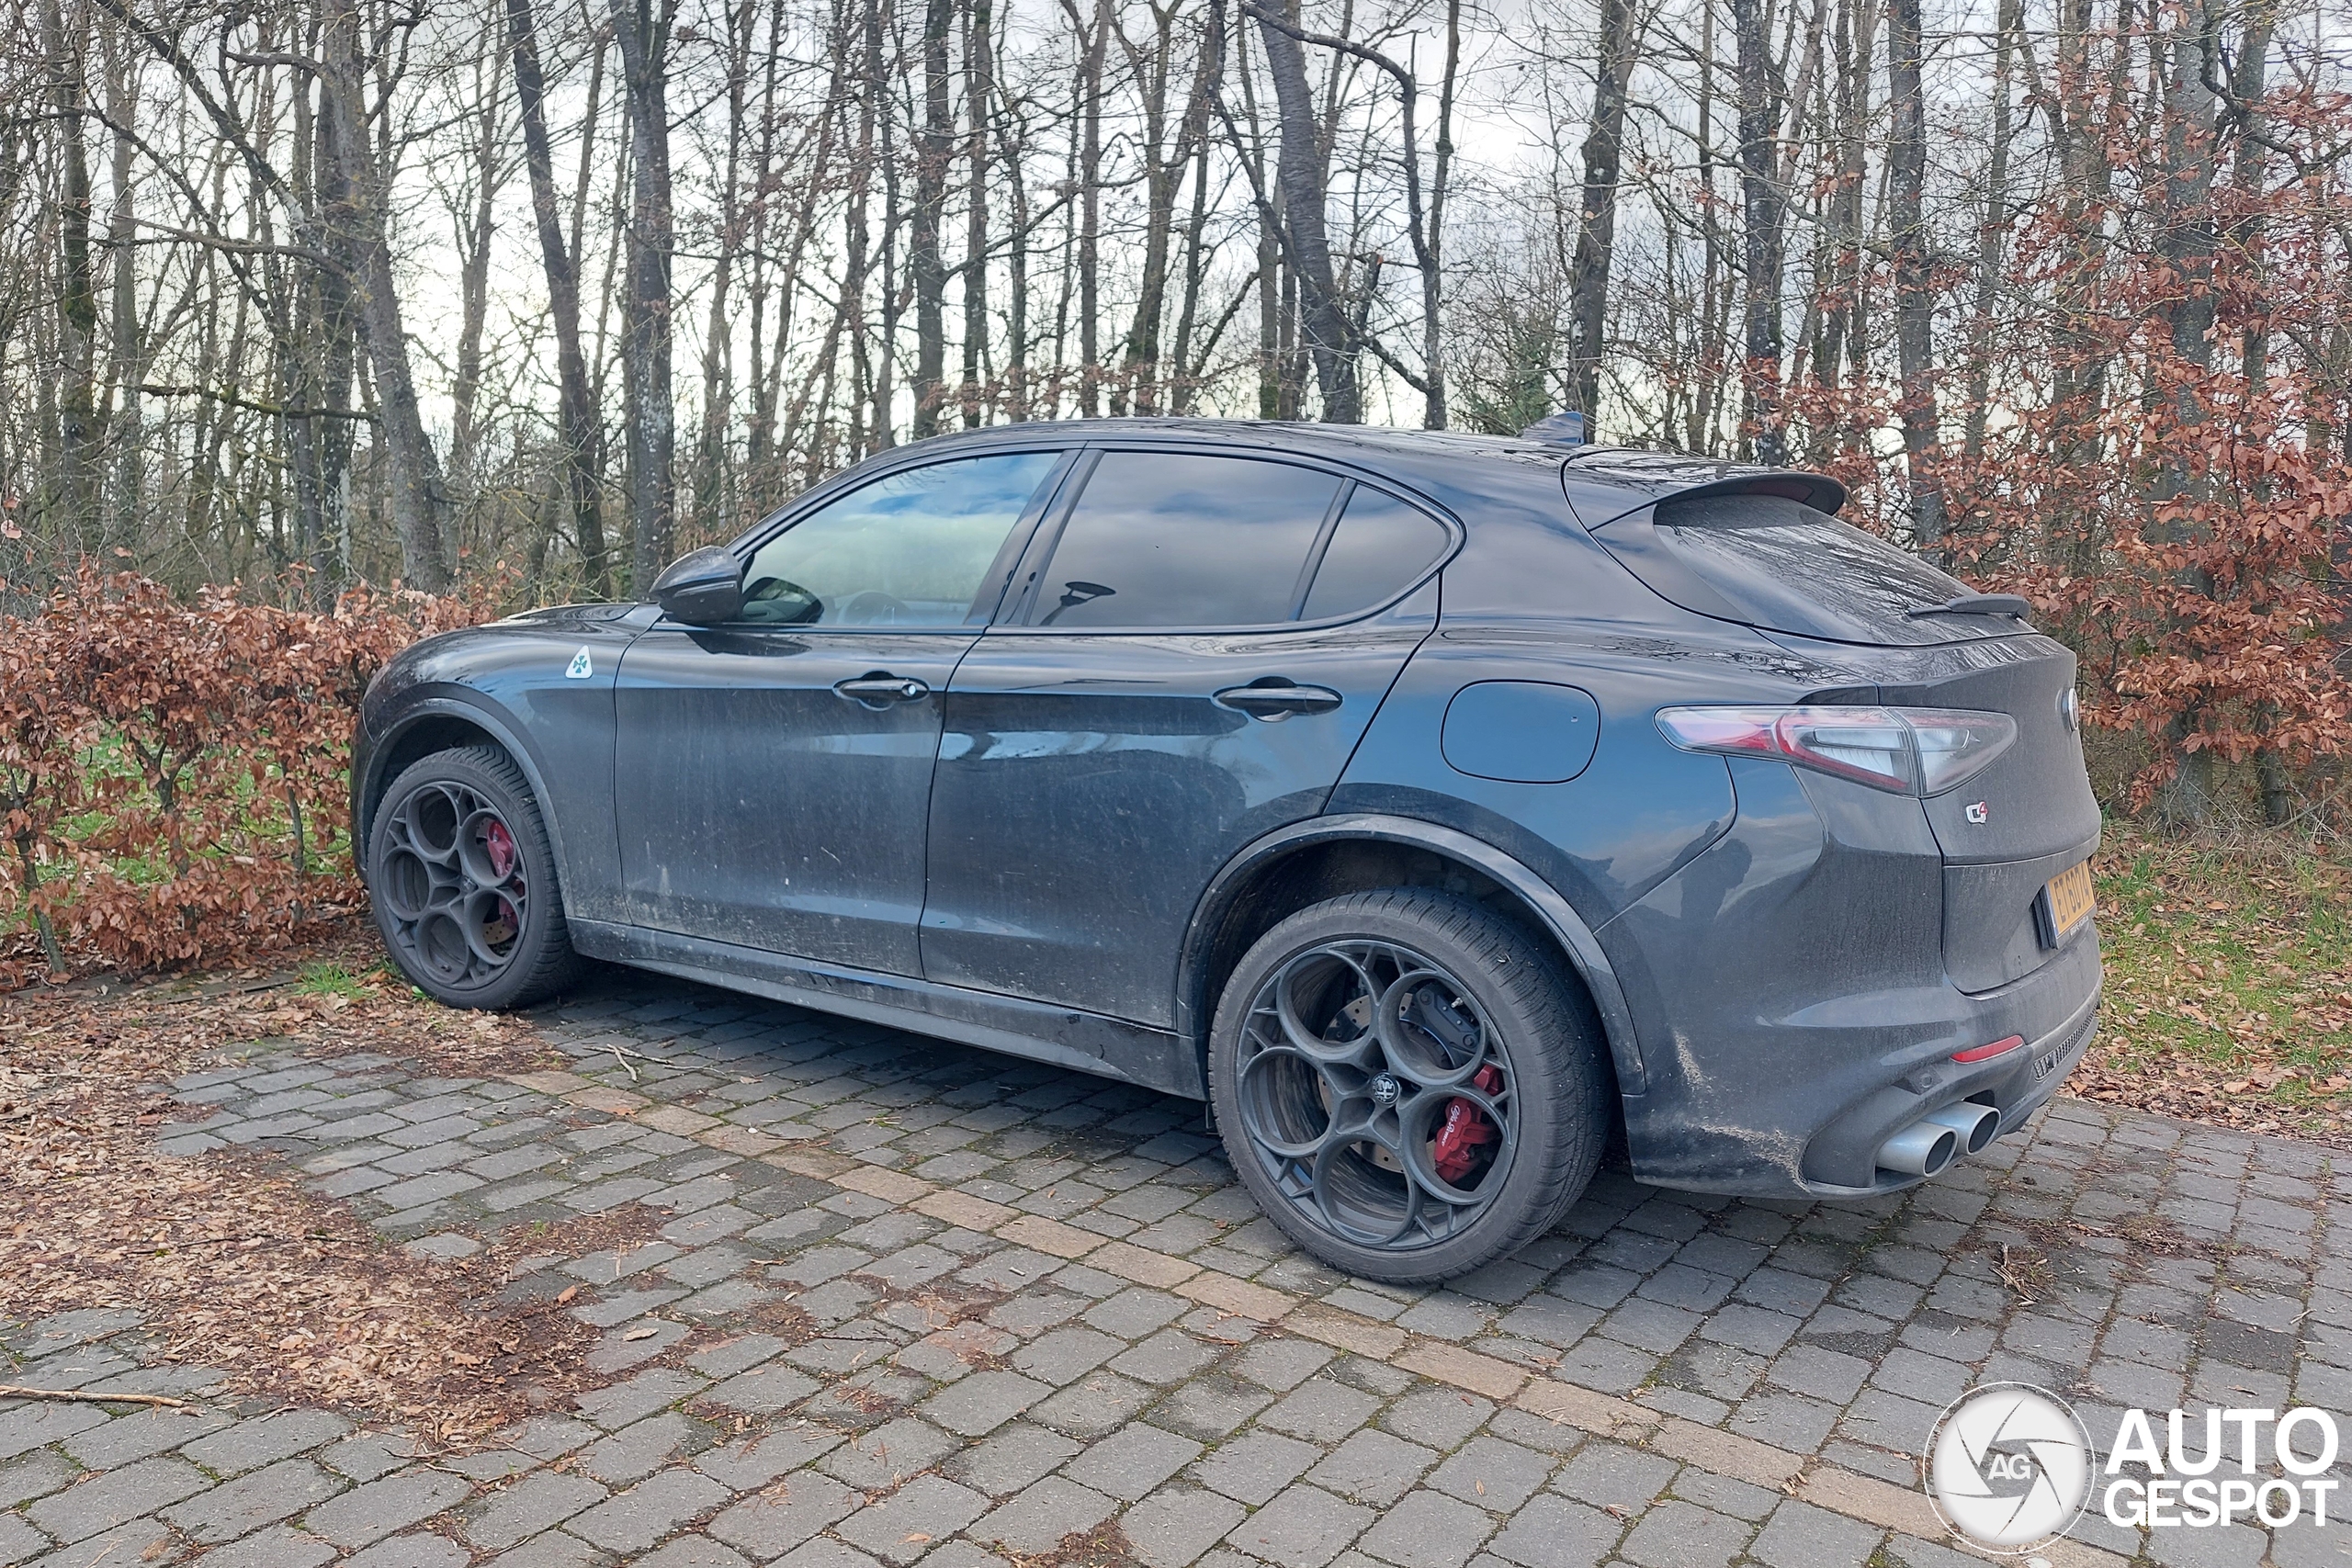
x=647 y=1331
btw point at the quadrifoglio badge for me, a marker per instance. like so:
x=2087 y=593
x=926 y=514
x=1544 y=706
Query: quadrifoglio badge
x=2011 y=1468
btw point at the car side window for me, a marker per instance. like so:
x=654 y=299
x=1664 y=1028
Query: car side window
x=1382 y=545
x=909 y=549
x=1180 y=539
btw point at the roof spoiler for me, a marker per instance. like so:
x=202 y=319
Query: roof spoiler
x=1659 y=473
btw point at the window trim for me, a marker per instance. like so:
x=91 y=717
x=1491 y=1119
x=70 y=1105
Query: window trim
x=1021 y=605
x=1001 y=567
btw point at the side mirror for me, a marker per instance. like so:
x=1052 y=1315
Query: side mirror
x=702 y=588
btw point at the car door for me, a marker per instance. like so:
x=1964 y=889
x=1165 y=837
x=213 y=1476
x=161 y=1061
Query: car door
x=1195 y=653
x=773 y=775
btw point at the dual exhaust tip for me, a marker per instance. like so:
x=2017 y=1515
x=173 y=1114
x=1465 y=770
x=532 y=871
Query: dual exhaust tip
x=1939 y=1138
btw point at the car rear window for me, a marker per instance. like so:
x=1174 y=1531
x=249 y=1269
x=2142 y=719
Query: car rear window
x=1784 y=565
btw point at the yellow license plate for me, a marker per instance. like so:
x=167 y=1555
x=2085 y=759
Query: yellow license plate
x=2069 y=894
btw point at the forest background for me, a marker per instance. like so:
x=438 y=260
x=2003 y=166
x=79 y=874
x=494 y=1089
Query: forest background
x=325 y=322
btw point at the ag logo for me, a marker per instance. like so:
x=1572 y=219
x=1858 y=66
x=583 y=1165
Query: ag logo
x=2009 y=1467
x=1979 y=812
x=1385 y=1090
x=581 y=667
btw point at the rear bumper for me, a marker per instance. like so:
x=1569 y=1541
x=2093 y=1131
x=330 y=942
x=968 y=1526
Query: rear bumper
x=1795 y=1008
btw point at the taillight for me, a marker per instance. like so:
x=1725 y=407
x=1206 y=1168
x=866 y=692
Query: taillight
x=1986 y=1052
x=1907 y=751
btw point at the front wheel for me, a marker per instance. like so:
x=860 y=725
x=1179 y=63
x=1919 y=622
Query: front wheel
x=463 y=880
x=1406 y=1086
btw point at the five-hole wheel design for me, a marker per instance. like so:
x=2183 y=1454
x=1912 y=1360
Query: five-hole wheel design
x=1377 y=1094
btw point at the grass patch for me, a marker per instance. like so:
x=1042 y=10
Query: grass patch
x=2229 y=982
x=323 y=977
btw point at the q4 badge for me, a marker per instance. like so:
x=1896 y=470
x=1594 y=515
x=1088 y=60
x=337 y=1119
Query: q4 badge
x=580 y=668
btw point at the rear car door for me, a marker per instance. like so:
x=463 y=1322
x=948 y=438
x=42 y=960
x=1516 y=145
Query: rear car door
x=1199 y=642
x=773 y=775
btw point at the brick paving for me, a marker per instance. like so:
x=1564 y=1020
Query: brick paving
x=1668 y=1380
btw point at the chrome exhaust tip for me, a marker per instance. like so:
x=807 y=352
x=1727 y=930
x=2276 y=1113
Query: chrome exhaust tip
x=1977 y=1125
x=1921 y=1150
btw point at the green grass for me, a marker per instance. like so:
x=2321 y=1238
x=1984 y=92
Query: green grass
x=2229 y=973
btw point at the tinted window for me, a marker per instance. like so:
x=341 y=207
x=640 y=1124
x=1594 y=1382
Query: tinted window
x=1169 y=540
x=1785 y=566
x=1380 y=545
x=909 y=549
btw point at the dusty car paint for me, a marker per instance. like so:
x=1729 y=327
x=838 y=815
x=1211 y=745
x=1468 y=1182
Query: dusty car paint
x=1046 y=851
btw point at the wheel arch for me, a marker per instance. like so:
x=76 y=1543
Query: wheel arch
x=444 y=724
x=1321 y=858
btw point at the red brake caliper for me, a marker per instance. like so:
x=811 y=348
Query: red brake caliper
x=500 y=845
x=1465 y=1130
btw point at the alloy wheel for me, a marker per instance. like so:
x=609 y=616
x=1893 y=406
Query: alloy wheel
x=451 y=876
x=1377 y=1094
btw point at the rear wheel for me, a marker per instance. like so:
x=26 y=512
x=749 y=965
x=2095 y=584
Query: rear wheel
x=463 y=881
x=1404 y=1086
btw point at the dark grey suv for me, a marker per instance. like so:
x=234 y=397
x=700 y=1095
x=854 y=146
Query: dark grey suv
x=1431 y=806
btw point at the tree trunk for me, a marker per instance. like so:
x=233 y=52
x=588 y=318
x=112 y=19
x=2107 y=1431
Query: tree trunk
x=413 y=471
x=1597 y=219
x=79 y=437
x=1301 y=170
x=980 y=96
x=647 y=331
x=577 y=426
x=474 y=279
x=934 y=147
x=1764 y=207
x=1914 y=299
x=1992 y=233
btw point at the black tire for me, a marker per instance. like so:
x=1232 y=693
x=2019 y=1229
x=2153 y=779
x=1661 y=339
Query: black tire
x=463 y=882
x=1477 y=1015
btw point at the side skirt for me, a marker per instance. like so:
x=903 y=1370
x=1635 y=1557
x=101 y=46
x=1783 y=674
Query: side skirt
x=1038 y=1031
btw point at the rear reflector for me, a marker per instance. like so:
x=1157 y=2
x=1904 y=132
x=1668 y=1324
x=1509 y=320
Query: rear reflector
x=1986 y=1052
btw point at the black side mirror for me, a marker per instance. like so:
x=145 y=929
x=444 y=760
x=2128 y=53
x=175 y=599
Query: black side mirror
x=702 y=588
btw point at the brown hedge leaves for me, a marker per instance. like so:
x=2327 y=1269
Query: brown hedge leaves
x=172 y=776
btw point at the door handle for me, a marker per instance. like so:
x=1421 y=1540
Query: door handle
x=1274 y=699
x=879 y=688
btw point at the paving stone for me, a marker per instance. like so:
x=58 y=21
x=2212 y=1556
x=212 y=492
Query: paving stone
x=277 y=1546
x=30 y=1426
x=19 y=1542
x=1035 y=1519
x=375 y=1510
x=136 y=1437
x=1132 y=1461
x=693 y=1551
x=1011 y=1458
x=1800 y=1536
x=140 y=1541
x=1174 y=1526
x=106 y=1501
x=777 y=1518
x=246 y=1504
x=1372 y=1467
x=882 y=1459
x=1552 y=1532
x=1302 y=1528
x=1493 y=1475
x=1253 y=1467
x=35 y=1475
x=1429 y=1529
x=1676 y=1534
x=903 y=1526
x=421 y=1549
x=983 y=1402
x=533 y=1504
x=264 y=1439
x=638 y=1518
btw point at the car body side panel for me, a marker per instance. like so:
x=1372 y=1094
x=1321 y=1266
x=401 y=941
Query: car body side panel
x=514 y=679
x=1089 y=786
x=758 y=807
